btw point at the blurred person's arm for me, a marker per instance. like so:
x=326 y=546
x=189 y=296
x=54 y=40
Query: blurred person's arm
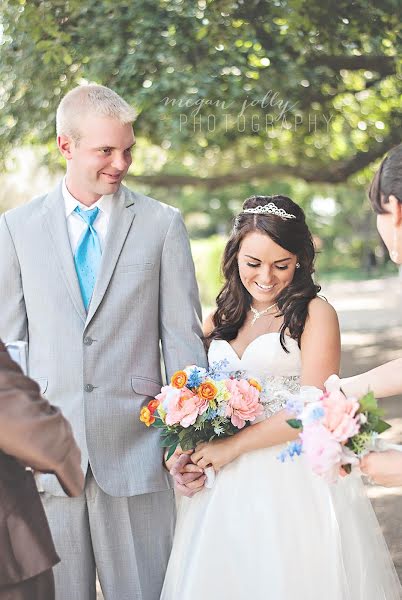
x=35 y=432
x=383 y=468
x=383 y=381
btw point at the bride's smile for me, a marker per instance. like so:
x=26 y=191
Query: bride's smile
x=265 y=268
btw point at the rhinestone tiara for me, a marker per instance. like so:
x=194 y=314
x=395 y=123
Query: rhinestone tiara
x=269 y=209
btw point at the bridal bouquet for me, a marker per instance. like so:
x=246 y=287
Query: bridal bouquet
x=335 y=429
x=200 y=405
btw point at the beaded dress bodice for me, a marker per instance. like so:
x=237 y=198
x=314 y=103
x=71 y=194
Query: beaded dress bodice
x=265 y=360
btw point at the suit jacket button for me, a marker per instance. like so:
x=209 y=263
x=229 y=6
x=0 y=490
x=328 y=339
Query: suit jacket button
x=89 y=387
x=88 y=341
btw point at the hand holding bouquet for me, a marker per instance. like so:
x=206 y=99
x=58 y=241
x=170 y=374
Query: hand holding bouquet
x=335 y=429
x=200 y=405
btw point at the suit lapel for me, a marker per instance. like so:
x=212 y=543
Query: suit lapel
x=56 y=226
x=119 y=226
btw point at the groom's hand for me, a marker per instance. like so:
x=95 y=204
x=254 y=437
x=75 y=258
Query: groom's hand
x=169 y=462
x=188 y=477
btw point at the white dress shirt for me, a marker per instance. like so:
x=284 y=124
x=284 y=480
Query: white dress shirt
x=76 y=226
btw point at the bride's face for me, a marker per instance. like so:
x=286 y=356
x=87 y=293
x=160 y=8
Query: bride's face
x=265 y=268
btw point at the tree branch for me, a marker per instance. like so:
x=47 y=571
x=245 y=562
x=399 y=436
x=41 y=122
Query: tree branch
x=385 y=65
x=335 y=172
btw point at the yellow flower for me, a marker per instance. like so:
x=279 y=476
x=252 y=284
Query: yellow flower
x=179 y=379
x=255 y=384
x=146 y=416
x=223 y=393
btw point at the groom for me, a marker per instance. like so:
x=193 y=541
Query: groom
x=95 y=277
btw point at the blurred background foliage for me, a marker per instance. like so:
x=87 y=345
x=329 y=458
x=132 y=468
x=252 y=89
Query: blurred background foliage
x=233 y=97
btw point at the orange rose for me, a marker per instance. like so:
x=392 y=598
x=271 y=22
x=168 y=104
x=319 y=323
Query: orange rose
x=207 y=391
x=255 y=384
x=179 y=379
x=146 y=416
x=153 y=405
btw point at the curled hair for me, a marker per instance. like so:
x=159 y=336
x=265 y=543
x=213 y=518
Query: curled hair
x=387 y=181
x=234 y=301
x=86 y=100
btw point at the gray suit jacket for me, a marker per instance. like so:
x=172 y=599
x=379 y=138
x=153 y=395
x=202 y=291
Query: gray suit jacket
x=100 y=368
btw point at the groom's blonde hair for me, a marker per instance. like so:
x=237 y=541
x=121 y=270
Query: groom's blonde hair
x=87 y=100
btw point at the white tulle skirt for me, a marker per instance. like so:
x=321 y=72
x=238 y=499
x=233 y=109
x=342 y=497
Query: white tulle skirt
x=273 y=531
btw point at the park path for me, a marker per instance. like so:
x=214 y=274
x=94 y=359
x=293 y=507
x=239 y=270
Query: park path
x=370 y=316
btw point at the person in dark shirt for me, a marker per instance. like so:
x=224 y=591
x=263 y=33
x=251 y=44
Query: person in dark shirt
x=32 y=434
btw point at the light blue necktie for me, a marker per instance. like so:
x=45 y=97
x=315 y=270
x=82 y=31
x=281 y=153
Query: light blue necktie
x=87 y=255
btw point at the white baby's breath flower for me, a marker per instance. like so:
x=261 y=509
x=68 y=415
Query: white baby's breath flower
x=333 y=384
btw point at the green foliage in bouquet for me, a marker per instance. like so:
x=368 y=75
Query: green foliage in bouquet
x=374 y=424
x=204 y=430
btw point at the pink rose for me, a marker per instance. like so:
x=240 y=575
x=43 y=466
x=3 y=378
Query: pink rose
x=201 y=403
x=165 y=394
x=243 y=404
x=322 y=450
x=181 y=405
x=340 y=415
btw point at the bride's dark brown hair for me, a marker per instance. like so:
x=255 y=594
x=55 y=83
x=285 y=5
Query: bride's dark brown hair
x=233 y=301
x=387 y=181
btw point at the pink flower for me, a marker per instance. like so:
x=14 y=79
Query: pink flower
x=181 y=405
x=201 y=403
x=165 y=394
x=322 y=450
x=340 y=415
x=243 y=404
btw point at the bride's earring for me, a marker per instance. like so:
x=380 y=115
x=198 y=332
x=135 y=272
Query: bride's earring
x=394 y=254
x=297 y=265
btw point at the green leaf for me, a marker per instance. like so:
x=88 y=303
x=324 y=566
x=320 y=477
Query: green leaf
x=377 y=412
x=170 y=439
x=189 y=444
x=295 y=423
x=381 y=426
x=171 y=450
x=188 y=439
x=368 y=403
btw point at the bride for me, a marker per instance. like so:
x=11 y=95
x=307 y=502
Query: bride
x=267 y=529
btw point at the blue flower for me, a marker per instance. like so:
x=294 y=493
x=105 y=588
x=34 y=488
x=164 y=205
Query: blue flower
x=217 y=369
x=292 y=449
x=315 y=414
x=195 y=378
x=295 y=448
x=221 y=411
x=282 y=456
x=294 y=405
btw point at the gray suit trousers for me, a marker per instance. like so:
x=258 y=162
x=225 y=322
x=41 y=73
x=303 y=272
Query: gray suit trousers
x=127 y=540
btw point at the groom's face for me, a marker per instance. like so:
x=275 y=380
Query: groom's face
x=98 y=162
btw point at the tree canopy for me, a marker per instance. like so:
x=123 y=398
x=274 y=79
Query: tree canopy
x=227 y=91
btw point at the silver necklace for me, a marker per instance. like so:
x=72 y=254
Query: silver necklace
x=257 y=313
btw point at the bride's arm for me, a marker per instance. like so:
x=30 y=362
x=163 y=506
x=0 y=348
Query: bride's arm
x=320 y=355
x=383 y=381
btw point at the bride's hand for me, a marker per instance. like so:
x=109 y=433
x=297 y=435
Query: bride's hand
x=217 y=453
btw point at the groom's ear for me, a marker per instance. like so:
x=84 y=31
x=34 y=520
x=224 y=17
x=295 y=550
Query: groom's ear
x=396 y=210
x=64 y=144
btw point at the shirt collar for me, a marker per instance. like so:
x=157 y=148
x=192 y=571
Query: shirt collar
x=105 y=203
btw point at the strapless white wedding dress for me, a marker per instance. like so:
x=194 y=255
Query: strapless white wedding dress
x=276 y=531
